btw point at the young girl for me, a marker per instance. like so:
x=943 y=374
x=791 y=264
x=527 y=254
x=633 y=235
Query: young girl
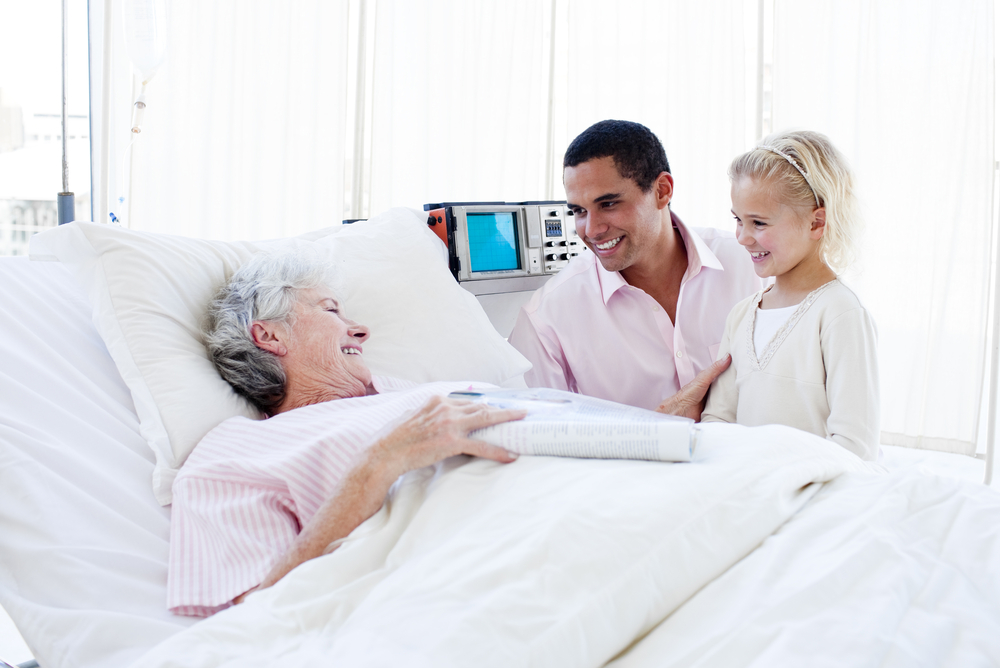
x=804 y=350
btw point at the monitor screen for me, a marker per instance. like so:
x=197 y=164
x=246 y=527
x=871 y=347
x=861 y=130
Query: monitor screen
x=493 y=244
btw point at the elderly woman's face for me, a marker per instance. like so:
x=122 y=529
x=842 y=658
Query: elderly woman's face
x=327 y=346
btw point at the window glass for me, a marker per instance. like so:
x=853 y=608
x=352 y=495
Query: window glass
x=31 y=171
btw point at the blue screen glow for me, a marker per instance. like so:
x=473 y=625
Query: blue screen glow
x=493 y=241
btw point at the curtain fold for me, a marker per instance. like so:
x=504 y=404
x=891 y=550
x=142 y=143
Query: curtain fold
x=905 y=89
x=678 y=68
x=459 y=107
x=245 y=126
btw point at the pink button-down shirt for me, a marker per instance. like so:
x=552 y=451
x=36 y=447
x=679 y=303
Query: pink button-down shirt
x=589 y=331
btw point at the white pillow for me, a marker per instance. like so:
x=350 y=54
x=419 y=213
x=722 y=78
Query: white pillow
x=150 y=293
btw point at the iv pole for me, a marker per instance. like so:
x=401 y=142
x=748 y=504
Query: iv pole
x=145 y=23
x=66 y=199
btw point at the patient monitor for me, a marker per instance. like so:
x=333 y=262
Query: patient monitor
x=503 y=251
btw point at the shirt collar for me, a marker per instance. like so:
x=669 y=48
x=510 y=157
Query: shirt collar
x=699 y=255
x=611 y=281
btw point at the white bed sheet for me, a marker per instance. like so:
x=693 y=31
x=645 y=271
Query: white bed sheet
x=932 y=462
x=83 y=545
x=12 y=647
x=899 y=570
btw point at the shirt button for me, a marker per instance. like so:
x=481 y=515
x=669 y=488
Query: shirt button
x=680 y=353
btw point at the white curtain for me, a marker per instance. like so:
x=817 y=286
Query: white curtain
x=244 y=131
x=459 y=103
x=477 y=101
x=676 y=66
x=249 y=125
x=905 y=89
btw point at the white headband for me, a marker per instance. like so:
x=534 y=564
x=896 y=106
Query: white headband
x=795 y=165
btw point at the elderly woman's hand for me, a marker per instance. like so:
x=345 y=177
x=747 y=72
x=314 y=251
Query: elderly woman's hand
x=690 y=400
x=437 y=431
x=440 y=430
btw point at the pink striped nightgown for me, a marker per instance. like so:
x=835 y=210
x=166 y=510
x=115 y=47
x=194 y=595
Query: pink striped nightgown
x=249 y=486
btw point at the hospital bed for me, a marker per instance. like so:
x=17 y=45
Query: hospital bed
x=772 y=547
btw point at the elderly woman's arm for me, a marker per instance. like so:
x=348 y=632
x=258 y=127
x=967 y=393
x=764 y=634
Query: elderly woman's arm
x=438 y=431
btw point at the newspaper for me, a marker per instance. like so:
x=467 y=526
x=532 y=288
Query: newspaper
x=565 y=424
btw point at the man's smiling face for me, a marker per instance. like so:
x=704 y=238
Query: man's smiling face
x=614 y=217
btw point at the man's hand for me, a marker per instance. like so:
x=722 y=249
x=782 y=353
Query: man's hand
x=690 y=400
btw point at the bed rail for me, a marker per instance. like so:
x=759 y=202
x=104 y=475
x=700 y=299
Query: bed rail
x=26 y=664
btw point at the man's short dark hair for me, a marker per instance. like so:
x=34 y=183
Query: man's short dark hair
x=637 y=153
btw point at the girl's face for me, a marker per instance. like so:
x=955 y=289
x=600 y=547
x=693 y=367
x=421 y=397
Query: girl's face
x=781 y=238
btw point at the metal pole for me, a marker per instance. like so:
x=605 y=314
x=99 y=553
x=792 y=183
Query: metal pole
x=991 y=402
x=991 y=405
x=66 y=200
x=759 y=125
x=361 y=91
x=550 y=149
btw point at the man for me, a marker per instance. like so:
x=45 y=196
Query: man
x=643 y=314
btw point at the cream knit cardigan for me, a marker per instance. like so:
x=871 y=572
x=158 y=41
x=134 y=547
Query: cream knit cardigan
x=819 y=373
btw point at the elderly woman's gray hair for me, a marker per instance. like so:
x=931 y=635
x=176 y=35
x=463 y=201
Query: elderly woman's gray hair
x=265 y=288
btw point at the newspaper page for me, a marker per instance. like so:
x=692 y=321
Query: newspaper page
x=565 y=424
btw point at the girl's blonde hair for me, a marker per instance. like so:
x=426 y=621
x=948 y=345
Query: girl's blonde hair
x=805 y=169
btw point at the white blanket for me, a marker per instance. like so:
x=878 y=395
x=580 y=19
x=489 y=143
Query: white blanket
x=541 y=562
x=897 y=570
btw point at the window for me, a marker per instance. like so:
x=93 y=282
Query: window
x=31 y=140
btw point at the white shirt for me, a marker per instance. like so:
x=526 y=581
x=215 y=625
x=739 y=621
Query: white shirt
x=767 y=324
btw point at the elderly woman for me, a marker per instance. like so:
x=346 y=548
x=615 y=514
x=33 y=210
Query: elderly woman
x=257 y=498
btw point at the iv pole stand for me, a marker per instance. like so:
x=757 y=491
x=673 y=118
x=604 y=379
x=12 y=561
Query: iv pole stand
x=66 y=199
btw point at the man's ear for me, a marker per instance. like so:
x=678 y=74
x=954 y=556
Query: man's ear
x=663 y=188
x=269 y=336
x=818 y=224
